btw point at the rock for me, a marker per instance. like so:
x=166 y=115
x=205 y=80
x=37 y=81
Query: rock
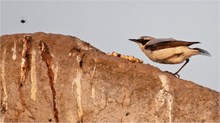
x=57 y=78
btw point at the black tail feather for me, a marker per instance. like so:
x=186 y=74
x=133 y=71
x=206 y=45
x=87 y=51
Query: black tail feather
x=203 y=52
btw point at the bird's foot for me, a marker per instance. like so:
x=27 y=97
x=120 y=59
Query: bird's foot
x=174 y=74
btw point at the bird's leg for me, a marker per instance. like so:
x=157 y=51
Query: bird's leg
x=176 y=74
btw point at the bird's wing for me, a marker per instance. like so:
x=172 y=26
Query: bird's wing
x=153 y=41
x=166 y=39
x=158 y=44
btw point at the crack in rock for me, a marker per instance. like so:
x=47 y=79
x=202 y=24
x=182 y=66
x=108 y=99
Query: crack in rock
x=79 y=93
x=25 y=60
x=92 y=92
x=25 y=68
x=77 y=81
x=33 y=76
x=79 y=53
x=55 y=68
x=47 y=58
x=5 y=95
x=164 y=96
x=14 y=51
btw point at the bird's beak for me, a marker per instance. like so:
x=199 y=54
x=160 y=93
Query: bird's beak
x=134 y=40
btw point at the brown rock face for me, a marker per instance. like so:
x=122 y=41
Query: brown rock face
x=57 y=78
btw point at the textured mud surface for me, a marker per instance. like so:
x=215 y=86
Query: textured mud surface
x=57 y=78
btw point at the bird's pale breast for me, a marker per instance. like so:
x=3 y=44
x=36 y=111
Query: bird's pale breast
x=173 y=55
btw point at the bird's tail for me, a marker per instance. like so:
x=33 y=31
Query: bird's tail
x=202 y=52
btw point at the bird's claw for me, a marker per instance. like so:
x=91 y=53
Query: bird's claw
x=174 y=74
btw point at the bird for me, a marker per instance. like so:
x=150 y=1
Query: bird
x=168 y=50
x=23 y=21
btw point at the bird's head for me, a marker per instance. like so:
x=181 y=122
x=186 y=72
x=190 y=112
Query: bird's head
x=143 y=40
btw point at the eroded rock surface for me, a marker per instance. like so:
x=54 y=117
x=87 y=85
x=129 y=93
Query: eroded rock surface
x=57 y=78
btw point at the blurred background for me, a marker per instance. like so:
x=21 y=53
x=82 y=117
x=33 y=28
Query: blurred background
x=108 y=25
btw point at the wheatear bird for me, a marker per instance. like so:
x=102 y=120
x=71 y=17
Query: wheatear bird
x=168 y=50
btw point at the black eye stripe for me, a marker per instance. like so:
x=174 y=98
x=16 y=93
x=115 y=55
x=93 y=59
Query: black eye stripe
x=143 y=42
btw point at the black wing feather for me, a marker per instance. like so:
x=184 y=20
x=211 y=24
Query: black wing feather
x=168 y=44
